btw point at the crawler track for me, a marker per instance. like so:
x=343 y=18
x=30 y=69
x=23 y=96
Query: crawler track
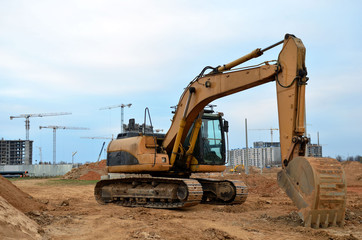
x=149 y=192
x=225 y=192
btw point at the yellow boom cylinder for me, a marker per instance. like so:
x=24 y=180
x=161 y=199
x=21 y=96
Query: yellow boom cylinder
x=254 y=54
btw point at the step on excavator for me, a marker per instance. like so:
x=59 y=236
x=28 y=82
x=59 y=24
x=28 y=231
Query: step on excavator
x=154 y=170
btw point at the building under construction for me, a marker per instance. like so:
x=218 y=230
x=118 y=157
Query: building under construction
x=16 y=152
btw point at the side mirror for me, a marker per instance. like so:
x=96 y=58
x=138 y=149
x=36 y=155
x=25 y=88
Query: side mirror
x=226 y=126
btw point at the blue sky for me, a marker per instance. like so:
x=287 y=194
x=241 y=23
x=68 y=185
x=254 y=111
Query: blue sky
x=79 y=56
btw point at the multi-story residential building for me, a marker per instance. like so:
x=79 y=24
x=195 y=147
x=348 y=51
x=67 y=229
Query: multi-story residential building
x=260 y=156
x=266 y=153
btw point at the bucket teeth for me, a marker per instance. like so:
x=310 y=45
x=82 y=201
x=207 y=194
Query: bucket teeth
x=308 y=222
x=326 y=223
x=323 y=220
x=334 y=221
x=316 y=225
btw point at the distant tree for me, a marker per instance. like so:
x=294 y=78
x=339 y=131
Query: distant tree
x=358 y=158
x=339 y=158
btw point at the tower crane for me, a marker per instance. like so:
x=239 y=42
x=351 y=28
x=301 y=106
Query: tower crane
x=271 y=132
x=54 y=136
x=27 y=128
x=97 y=137
x=27 y=120
x=100 y=153
x=122 y=106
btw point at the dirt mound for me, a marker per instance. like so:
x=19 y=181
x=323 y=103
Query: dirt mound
x=264 y=185
x=91 y=175
x=212 y=233
x=15 y=224
x=272 y=170
x=90 y=171
x=19 y=199
x=254 y=170
x=353 y=171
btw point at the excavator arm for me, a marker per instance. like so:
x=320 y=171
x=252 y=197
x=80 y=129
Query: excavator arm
x=316 y=185
x=205 y=90
x=289 y=73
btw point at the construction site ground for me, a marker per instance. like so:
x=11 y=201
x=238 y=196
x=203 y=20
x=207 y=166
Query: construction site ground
x=66 y=209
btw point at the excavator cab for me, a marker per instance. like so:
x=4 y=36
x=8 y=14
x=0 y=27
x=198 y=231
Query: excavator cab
x=210 y=144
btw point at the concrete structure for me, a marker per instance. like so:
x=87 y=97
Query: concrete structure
x=16 y=152
x=261 y=155
x=314 y=150
x=42 y=170
x=261 y=144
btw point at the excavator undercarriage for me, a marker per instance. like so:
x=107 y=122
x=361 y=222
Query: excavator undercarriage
x=157 y=192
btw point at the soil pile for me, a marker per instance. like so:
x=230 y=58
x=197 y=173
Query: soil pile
x=90 y=171
x=353 y=172
x=15 y=224
x=254 y=170
x=19 y=199
x=264 y=185
x=91 y=175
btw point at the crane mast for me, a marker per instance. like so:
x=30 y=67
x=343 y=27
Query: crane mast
x=55 y=138
x=122 y=106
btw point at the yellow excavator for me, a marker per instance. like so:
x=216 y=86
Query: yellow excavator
x=239 y=167
x=154 y=170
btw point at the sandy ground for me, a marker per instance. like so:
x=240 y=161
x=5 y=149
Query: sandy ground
x=72 y=213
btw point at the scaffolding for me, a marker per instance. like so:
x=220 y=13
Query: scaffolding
x=12 y=152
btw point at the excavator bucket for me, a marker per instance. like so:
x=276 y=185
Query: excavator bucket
x=317 y=187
